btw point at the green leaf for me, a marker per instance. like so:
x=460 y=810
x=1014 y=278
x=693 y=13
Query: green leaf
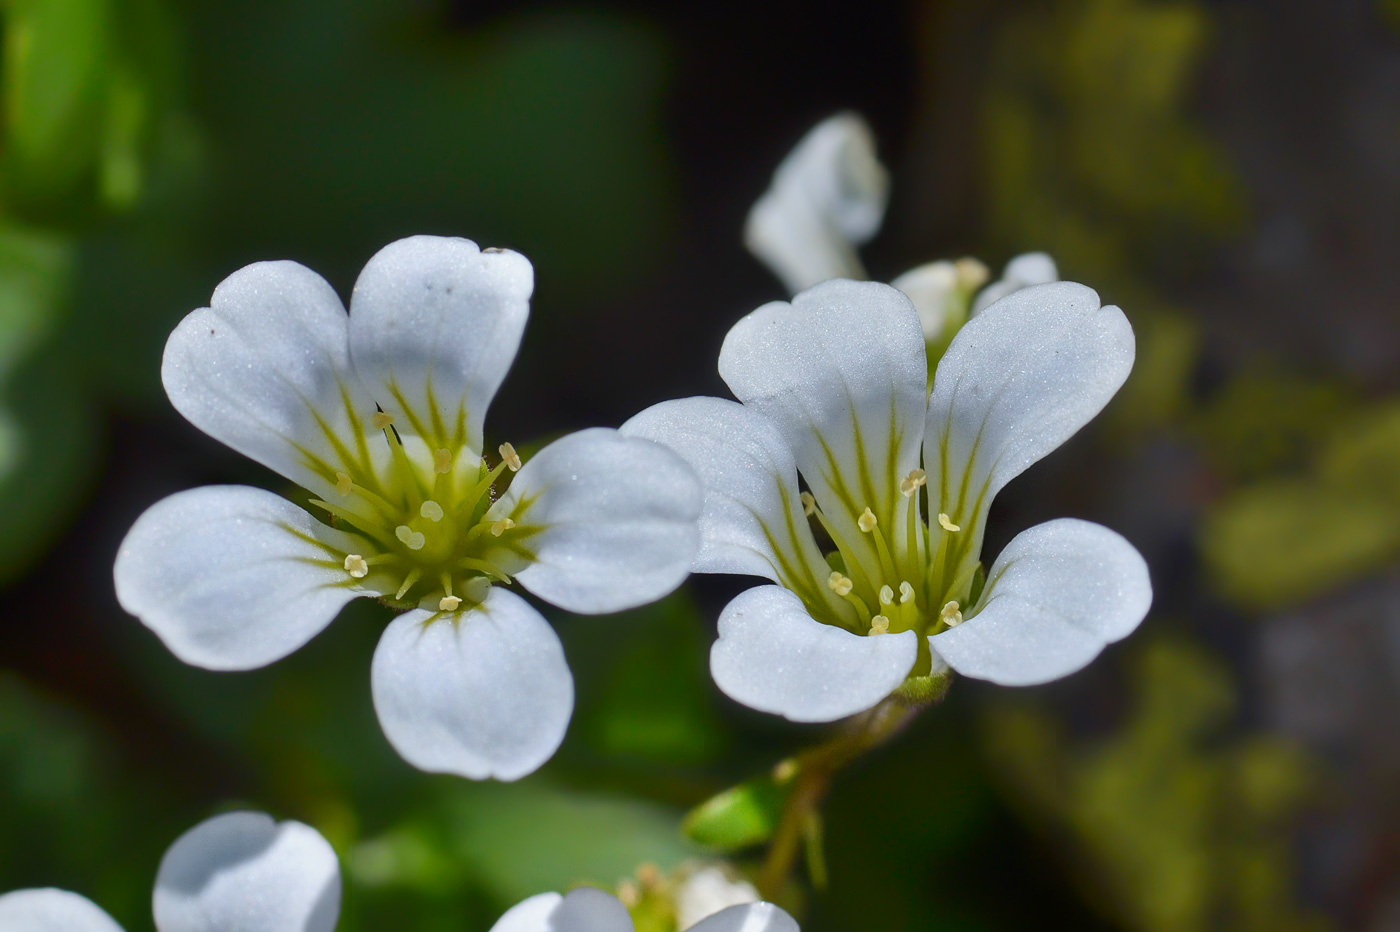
x=740 y=817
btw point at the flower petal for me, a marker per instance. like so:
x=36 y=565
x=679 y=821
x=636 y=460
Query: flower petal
x=608 y=522
x=51 y=910
x=486 y=693
x=1032 y=268
x=752 y=521
x=266 y=369
x=243 y=872
x=435 y=323
x=1056 y=596
x=585 y=909
x=940 y=292
x=751 y=917
x=773 y=656
x=827 y=197
x=232 y=577
x=1017 y=381
x=841 y=372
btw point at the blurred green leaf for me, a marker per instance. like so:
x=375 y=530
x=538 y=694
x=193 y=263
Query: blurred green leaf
x=35 y=268
x=740 y=817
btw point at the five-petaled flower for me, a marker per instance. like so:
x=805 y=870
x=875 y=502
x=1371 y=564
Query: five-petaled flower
x=899 y=483
x=236 y=872
x=379 y=414
x=587 y=909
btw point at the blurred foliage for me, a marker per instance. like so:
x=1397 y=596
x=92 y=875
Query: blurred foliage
x=738 y=818
x=1177 y=821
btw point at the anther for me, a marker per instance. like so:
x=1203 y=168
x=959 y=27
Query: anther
x=841 y=585
x=343 y=483
x=356 y=566
x=886 y=595
x=431 y=510
x=879 y=625
x=809 y=504
x=442 y=461
x=413 y=540
x=912 y=482
x=501 y=526
x=947 y=523
x=906 y=593
x=867 y=521
x=510 y=457
x=379 y=420
x=950 y=615
x=449 y=603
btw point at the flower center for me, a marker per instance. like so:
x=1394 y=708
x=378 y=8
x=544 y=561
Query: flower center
x=419 y=519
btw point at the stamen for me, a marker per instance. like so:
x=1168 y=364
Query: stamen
x=867 y=521
x=886 y=596
x=356 y=566
x=449 y=603
x=413 y=540
x=380 y=420
x=841 y=585
x=947 y=523
x=510 y=457
x=343 y=483
x=431 y=510
x=408 y=582
x=501 y=526
x=950 y=615
x=913 y=482
x=809 y=503
x=442 y=461
x=879 y=625
x=906 y=593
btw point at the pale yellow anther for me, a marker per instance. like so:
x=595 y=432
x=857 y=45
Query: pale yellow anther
x=343 y=483
x=379 y=420
x=886 y=595
x=950 y=615
x=501 y=526
x=431 y=510
x=356 y=566
x=906 y=593
x=809 y=504
x=413 y=540
x=442 y=461
x=946 y=523
x=841 y=585
x=879 y=625
x=867 y=521
x=449 y=603
x=510 y=457
x=912 y=482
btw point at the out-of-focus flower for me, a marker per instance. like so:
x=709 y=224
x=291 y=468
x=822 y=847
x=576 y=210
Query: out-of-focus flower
x=833 y=385
x=591 y=910
x=828 y=197
x=379 y=415
x=236 y=872
x=709 y=890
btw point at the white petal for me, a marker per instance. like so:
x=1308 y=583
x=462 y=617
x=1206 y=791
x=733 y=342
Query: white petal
x=1032 y=268
x=486 y=693
x=232 y=577
x=586 y=909
x=243 y=872
x=51 y=910
x=1056 y=596
x=773 y=656
x=752 y=521
x=931 y=287
x=753 y=917
x=1017 y=381
x=827 y=197
x=616 y=518
x=435 y=324
x=841 y=372
x=266 y=369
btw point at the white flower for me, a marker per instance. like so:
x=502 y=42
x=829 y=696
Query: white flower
x=833 y=385
x=237 y=872
x=379 y=415
x=590 y=910
x=828 y=197
x=709 y=890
